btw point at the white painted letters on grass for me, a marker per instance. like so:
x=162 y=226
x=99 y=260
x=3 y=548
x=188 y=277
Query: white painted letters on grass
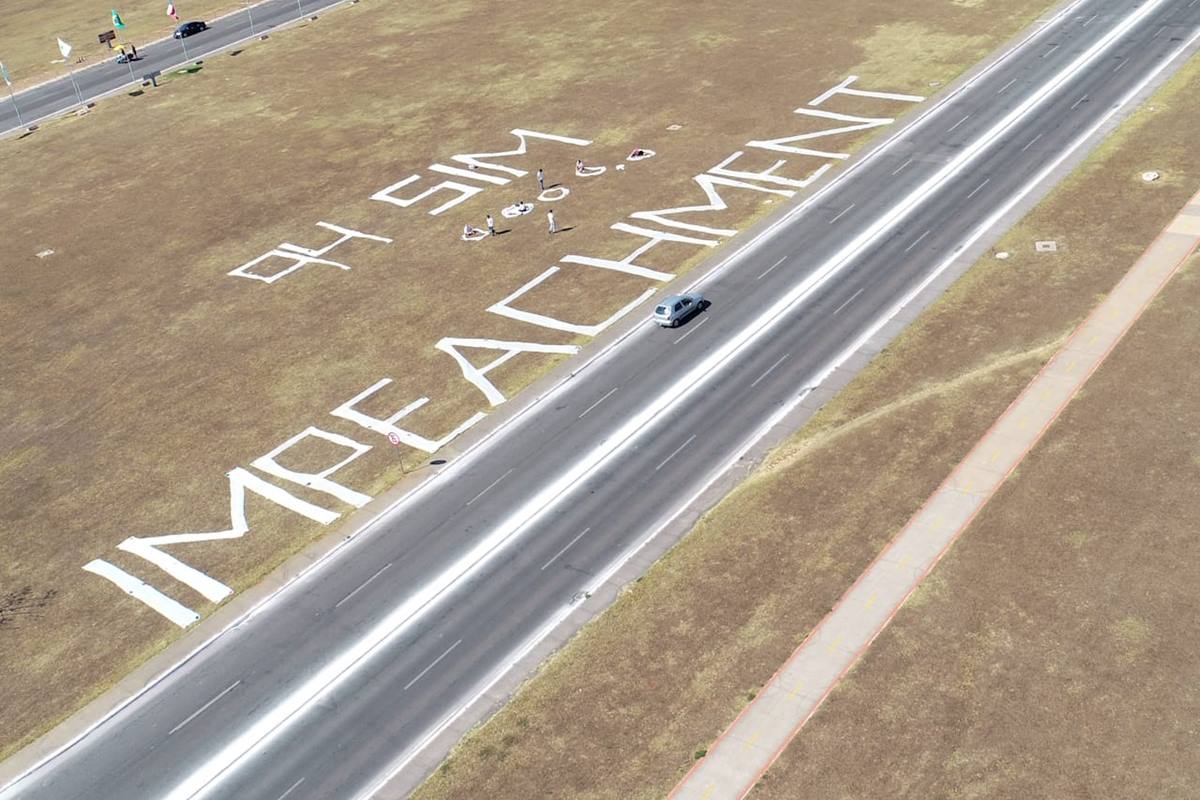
x=476 y=375
x=303 y=256
x=388 y=426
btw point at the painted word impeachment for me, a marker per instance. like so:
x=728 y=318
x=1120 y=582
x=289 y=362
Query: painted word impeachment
x=668 y=227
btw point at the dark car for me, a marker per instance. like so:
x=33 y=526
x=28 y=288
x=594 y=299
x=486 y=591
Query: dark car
x=190 y=29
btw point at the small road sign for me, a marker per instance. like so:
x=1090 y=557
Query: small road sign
x=107 y=37
x=394 y=438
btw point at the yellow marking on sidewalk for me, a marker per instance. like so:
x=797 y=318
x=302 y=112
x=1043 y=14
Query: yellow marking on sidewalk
x=871 y=600
x=834 y=644
x=749 y=743
x=1023 y=423
x=994 y=457
x=795 y=690
x=1093 y=340
x=708 y=791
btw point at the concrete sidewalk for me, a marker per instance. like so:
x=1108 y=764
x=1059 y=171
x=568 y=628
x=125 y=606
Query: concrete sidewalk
x=760 y=733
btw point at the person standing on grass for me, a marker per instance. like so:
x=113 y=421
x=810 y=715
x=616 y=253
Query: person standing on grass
x=541 y=179
x=550 y=218
x=491 y=223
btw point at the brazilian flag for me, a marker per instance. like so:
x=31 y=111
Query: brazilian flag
x=117 y=21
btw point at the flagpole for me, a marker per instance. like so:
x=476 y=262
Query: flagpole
x=12 y=99
x=78 y=93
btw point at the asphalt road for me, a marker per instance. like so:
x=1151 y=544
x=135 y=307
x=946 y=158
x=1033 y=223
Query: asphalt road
x=634 y=436
x=93 y=81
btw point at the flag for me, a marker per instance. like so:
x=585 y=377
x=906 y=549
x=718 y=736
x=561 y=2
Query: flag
x=4 y=74
x=171 y=12
x=117 y=21
x=64 y=48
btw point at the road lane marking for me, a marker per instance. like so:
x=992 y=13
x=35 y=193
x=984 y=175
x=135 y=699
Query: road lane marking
x=848 y=302
x=773 y=266
x=607 y=395
x=902 y=166
x=1090 y=20
x=1157 y=32
x=362 y=585
x=977 y=188
x=675 y=452
x=436 y=661
x=527 y=645
x=960 y=122
x=1121 y=65
x=1004 y=88
x=842 y=213
x=1029 y=144
x=917 y=242
x=692 y=330
x=1053 y=47
x=490 y=486
x=565 y=549
x=291 y=789
x=205 y=707
x=770 y=369
x=1077 y=102
x=267 y=726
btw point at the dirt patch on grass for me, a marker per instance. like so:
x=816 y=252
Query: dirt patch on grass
x=138 y=373
x=625 y=708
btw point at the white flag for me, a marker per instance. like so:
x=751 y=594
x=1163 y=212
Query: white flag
x=4 y=74
x=64 y=48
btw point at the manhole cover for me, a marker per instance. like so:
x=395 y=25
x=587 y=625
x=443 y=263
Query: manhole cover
x=1046 y=247
x=1150 y=175
x=45 y=254
x=675 y=127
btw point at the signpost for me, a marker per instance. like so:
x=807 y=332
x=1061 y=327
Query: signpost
x=107 y=38
x=8 y=83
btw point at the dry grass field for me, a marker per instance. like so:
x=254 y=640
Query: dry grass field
x=28 y=29
x=137 y=373
x=1051 y=655
x=1053 y=652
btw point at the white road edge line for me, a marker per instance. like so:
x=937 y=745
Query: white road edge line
x=565 y=549
x=490 y=486
x=532 y=403
x=773 y=266
x=363 y=585
x=607 y=395
x=291 y=789
x=205 y=707
x=842 y=213
x=485 y=685
x=273 y=721
x=975 y=191
x=848 y=302
x=433 y=664
x=770 y=369
x=693 y=329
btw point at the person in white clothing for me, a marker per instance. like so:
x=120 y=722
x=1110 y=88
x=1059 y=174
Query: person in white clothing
x=550 y=218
